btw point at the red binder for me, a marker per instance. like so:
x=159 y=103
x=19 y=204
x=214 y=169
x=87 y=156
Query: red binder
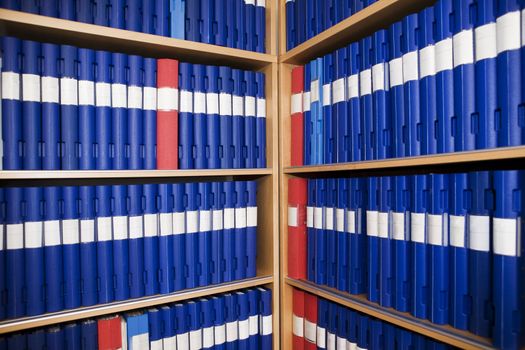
x=167 y=113
x=298 y=319
x=310 y=323
x=109 y=333
x=297 y=193
x=297 y=119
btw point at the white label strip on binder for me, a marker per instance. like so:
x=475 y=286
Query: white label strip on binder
x=166 y=224
x=217 y=220
x=457 y=231
x=240 y=217
x=353 y=86
x=150 y=225
x=338 y=91
x=68 y=91
x=350 y=221
x=140 y=341
x=330 y=341
x=485 y=42
x=523 y=27
x=150 y=98
x=329 y=219
x=220 y=334
x=168 y=343
x=231 y=331
x=167 y=99
x=292 y=216
x=410 y=66
x=306 y=101
x=321 y=337
x=14 y=236
x=261 y=3
x=463 y=43
x=103 y=95
x=212 y=103
x=183 y=341
x=298 y=326
x=327 y=97
x=251 y=2
x=378 y=77
x=296 y=103
x=10 y=86
x=204 y=220
x=479 y=233
x=251 y=214
x=340 y=219
x=120 y=227
x=135 y=97
x=254 y=324
x=395 y=67
x=436 y=228
x=250 y=106
x=398 y=226
x=427 y=61
x=244 y=329
x=229 y=218
x=365 y=80
x=417 y=227
x=314 y=91
x=50 y=90
x=179 y=223
x=87 y=231
x=2 y=238
x=506 y=234
x=86 y=93
x=119 y=96
x=199 y=102
x=266 y=325
x=341 y=343
x=318 y=218
x=186 y=101
x=508 y=32
x=225 y=104
x=310 y=331
x=33 y=234
x=383 y=225
x=31 y=87
x=444 y=56
x=238 y=106
x=104 y=231
x=70 y=231
x=207 y=337
x=192 y=221
x=372 y=223
x=196 y=340
x=309 y=217
x=156 y=345
x=136 y=229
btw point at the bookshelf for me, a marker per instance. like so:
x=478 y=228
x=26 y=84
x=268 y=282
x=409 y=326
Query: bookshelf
x=41 y=28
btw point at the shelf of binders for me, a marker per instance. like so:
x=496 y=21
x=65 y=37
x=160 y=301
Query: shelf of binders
x=132 y=304
x=49 y=29
x=373 y=17
x=445 y=334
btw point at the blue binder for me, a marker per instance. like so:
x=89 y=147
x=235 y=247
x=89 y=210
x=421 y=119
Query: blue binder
x=260 y=138
x=250 y=119
x=339 y=108
x=238 y=131
x=207 y=323
x=15 y=260
x=216 y=256
x=403 y=270
x=375 y=327
x=343 y=234
x=244 y=322
x=260 y=26
x=240 y=30
x=307 y=115
x=343 y=327
x=320 y=232
x=251 y=229
x=86 y=109
x=155 y=327
x=89 y=334
x=54 y=339
x=368 y=117
x=69 y=107
x=17 y=341
x=177 y=15
x=31 y=105
x=135 y=113
x=179 y=236
x=119 y=104
x=88 y=247
x=250 y=25
x=316 y=95
x=148 y=17
x=328 y=138
x=104 y=239
x=11 y=4
x=34 y=251
x=372 y=228
x=119 y=194
x=291 y=30
x=266 y=326
x=352 y=327
x=71 y=336
x=54 y=295
x=225 y=118
x=151 y=240
x=328 y=19
x=397 y=96
x=219 y=322
x=137 y=329
x=311 y=257
x=444 y=75
x=150 y=113
x=71 y=247
x=386 y=241
x=200 y=146
x=220 y=22
x=253 y=317
x=101 y=12
x=3 y=275
x=194 y=323
x=300 y=22
x=411 y=85
x=212 y=117
x=240 y=252
x=354 y=103
x=331 y=330
x=207 y=16
x=204 y=236
x=191 y=233
x=116 y=13
x=319 y=17
x=322 y=322
x=363 y=331
x=459 y=207
x=167 y=218
x=105 y=151
x=331 y=232
x=133 y=15
x=356 y=226
x=136 y=241
x=232 y=321
x=310 y=19
x=85 y=11
x=168 y=327
x=192 y=21
x=67 y=9
x=230 y=23
x=229 y=237
x=50 y=108
x=438 y=250
x=35 y=340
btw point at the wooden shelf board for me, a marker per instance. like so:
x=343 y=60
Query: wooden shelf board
x=376 y=16
x=445 y=334
x=496 y=154
x=118 y=307
x=60 y=31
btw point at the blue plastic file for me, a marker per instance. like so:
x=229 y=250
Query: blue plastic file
x=105 y=151
x=120 y=212
x=192 y=233
x=137 y=326
x=339 y=108
x=331 y=330
x=291 y=30
x=205 y=235
x=368 y=117
x=116 y=13
x=17 y=341
x=100 y=12
x=353 y=327
x=230 y=23
x=219 y=322
x=207 y=323
x=194 y=322
x=358 y=5
x=231 y=319
x=71 y=336
x=357 y=268
x=177 y=15
x=135 y=112
x=148 y=17
x=376 y=334
x=207 y=16
x=343 y=327
x=250 y=25
x=343 y=234
x=34 y=250
x=228 y=257
x=240 y=254
x=212 y=117
x=316 y=112
x=150 y=113
x=119 y=117
x=266 y=327
x=329 y=124
x=319 y=17
x=166 y=219
x=69 y=107
x=168 y=326
x=84 y=11
x=253 y=316
x=250 y=120
x=54 y=339
x=238 y=131
x=11 y=4
x=67 y=9
x=397 y=95
x=311 y=258
x=260 y=138
x=225 y=118
x=331 y=232
x=151 y=240
x=104 y=239
x=3 y=275
x=328 y=14
x=192 y=20
x=319 y=231
x=88 y=247
x=363 y=331
x=220 y=22
x=386 y=241
x=89 y=334
x=217 y=232
x=136 y=241
x=50 y=108
x=11 y=103
x=179 y=237
x=322 y=322
x=381 y=96
x=155 y=326
x=53 y=248
x=200 y=146
x=86 y=109
x=133 y=15
x=35 y=340
x=354 y=105
x=402 y=245
x=372 y=226
x=307 y=115
x=300 y=22
x=71 y=247
x=240 y=29
x=260 y=26
x=251 y=229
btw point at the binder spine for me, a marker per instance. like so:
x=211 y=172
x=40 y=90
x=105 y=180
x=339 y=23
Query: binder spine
x=260 y=139
x=240 y=30
x=300 y=22
x=340 y=110
x=155 y=328
x=191 y=234
x=208 y=13
x=266 y=321
x=250 y=25
x=403 y=247
x=219 y=326
x=195 y=331
x=67 y=9
x=317 y=110
x=354 y=104
x=133 y=15
x=88 y=248
x=327 y=139
x=244 y=322
x=382 y=140
x=50 y=108
x=69 y=108
x=228 y=262
x=136 y=241
x=84 y=11
x=372 y=230
x=71 y=247
x=250 y=120
x=241 y=253
x=225 y=112
x=167 y=113
x=119 y=104
x=151 y=239
x=386 y=242
x=291 y=31
x=231 y=320
x=86 y=109
x=253 y=318
x=397 y=95
x=220 y=22
x=205 y=227
x=355 y=225
x=166 y=254
x=104 y=237
x=177 y=14
x=136 y=113
x=319 y=223
x=212 y=117
x=149 y=105
x=100 y=12
x=251 y=229
x=89 y=334
x=217 y=233
x=322 y=323
x=148 y=17
x=167 y=329
x=343 y=235
x=368 y=118
x=331 y=232
x=297 y=246
x=120 y=225
x=260 y=25
x=186 y=118
x=3 y=274
x=230 y=24
x=105 y=149
x=200 y=118
x=238 y=119
x=116 y=13
x=71 y=335
x=310 y=322
x=180 y=229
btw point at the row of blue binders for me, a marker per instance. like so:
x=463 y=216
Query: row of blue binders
x=307 y=18
x=240 y=320
x=238 y=24
x=444 y=247
x=66 y=247
x=449 y=78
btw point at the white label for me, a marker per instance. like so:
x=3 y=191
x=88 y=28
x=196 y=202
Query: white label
x=410 y=66
x=327 y=98
x=103 y=94
x=140 y=341
x=167 y=99
x=341 y=343
x=192 y=221
x=378 y=77
x=104 y=229
x=330 y=341
x=292 y=217
x=50 y=90
x=168 y=343
x=506 y=236
x=183 y=341
x=150 y=225
x=119 y=96
x=266 y=325
x=261 y=3
x=2 y=238
x=135 y=97
x=225 y=104
x=427 y=61
x=261 y=108
x=329 y=219
x=217 y=220
x=340 y=220
x=444 y=58
x=251 y=214
x=365 y=79
x=310 y=331
x=321 y=337
x=31 y=87
x=298 y=326
x=351 y=346
x=244 y=329
x=186 y=101
x=485 y=41
x=135 y=227
x=231 y=331
x=204 y=221
x=70 y=231
x=523 y=27
x=212 y=103
x=10 y=86
x=68 y=91
x=207 y=337
x=398 y=229
x=508 y=32
x=229 y=218
x=14 y=236
x=457 y=231
x=249 y=2
x=150 y=98
x=463 y=43
x=395 y=67
x=240 y=217
x=383 y=225
x=120 y=227
x=196 y=340
x=87 y=231
x=353 y=86
x=417 y=227
x=338 y=90
x=437 y=234
x=314 y=91
x=179 y=223
x=254 y=324
x=372 y=223
x=250 y=106
x=33 y=234
x=199 y=102
x=350 y=221
x=309 y=217
x=306 y=101
x=156 y=345
x=86 y=93
x=238 y=105
x=318 y=218
x=479 y=233
x=297 y=103
x=220 y=334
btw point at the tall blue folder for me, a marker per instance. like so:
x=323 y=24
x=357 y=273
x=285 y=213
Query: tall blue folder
x=35 y=340
x=71 y=336
x=238 y=131
x=137 y=326
x=50 y=107
x=133 y=15
x=266 y=325
x=53 y=248
x=230 y=23
x=316 y=95
x=207 y=323
x=253 y=317
x=231 y=320
x=116 y=13
x=388 y=264
x=71 y=247
x=343 y=327
x=260 y=26
x=225 y=112
x=104 y=239
x=354 y=104
x=402 y=245
x=119 y=105
x=135 y=113
x=136 y=241
x=250 y=119
x=300 y=22
x=322 y=322
x=88 y=247
x=89 y=334
x=191 y=233
x=357 y=268
x=376 y=334
x=86 y=109
x=330 y=232
x=328 y=137
x=363 y=331
x=150 y=113
x=120 y=213
x=194 y=323
x=179 y=236
x=29 y=6
x=216 y=256
x=69 y=107
x=148 y=17
x=251 y=228
x=343 y=234
x=397 y=96
x=177 y=15
x=372 y=228
x=219 y=20
x=207 y=17
x=169 y=324
x=103 y=112
x=291 y=30
x=311 y=258
x=368 y=117
x=54 y=338
x=205 y=234
x=307 y=115
x=100 y=12
x=339 y=105
x=67 y=9
x=166 y=220
x=240 y=30
x=186 y=119
x=260 y=138
x=3 y=275
x=331 y=330
x=228 y=240
x=155 y=327
x=219 y=322
x=85 y=12
x=240 y=252
x=212 y=117
x=320 y=232
x=151 y=240
x=250 y=25
x=200 y=147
